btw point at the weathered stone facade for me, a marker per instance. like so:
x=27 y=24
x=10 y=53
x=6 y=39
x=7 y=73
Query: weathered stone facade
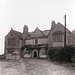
x=56 y=36
x=36 y=44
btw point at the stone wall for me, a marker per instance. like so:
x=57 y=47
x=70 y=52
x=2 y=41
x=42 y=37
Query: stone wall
x=39 y=41
x=69 y=37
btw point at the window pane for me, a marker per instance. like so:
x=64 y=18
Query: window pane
x=57 y=38
x=11 y=41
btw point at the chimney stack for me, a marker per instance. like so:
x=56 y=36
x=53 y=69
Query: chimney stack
x=53 y=24
x=25 y=31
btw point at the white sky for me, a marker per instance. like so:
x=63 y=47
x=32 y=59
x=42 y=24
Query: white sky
x=34 y=13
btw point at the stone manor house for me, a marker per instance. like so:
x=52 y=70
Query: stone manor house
x=36 y=44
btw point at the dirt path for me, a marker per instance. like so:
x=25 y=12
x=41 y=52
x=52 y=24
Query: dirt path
x=45 y=67
x=13 y=67
x=32 y=67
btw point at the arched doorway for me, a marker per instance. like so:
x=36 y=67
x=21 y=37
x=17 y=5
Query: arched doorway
x=35 y=54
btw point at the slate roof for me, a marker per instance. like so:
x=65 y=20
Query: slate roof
x=19 y=34
x=37 y=33
x=45 y=32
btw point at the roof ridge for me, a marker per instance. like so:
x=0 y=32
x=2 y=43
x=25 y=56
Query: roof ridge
x=17 y=31
x=39 y=30
x=19 y=34
x=46 y=30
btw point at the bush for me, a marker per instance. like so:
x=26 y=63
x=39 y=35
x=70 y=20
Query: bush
x=61 y=54
x=53 y=54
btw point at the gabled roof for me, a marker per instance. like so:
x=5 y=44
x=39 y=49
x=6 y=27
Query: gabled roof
x=19 y=34
x=45 y=32
x=38 y=33
x=58 y=25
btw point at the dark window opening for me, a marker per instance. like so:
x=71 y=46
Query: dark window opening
x=36 y=41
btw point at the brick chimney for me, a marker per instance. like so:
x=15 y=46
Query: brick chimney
x=25 y=31
x=53 y=24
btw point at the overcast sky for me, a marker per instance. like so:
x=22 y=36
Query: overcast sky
x=34 y=13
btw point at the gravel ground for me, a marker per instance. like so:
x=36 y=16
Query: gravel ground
x=34 y=67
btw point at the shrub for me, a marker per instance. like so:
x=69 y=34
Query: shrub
x=53 y=54
x=61 y=54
